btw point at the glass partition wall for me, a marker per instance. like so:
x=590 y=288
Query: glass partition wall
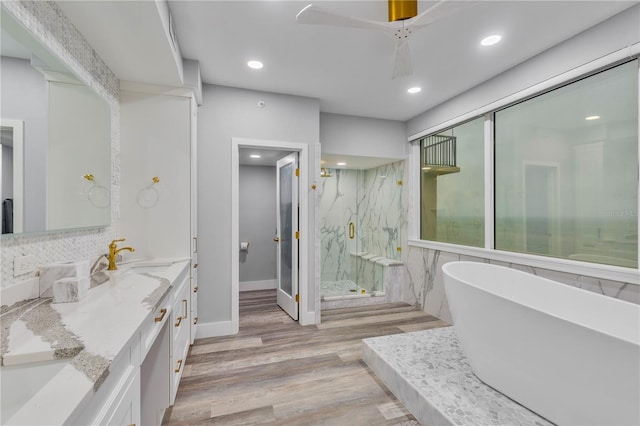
x=361 y=214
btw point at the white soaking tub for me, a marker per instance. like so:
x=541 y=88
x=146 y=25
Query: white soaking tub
x=569 y=355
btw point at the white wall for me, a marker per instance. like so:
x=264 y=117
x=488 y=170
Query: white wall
x=155 y=142
x=361 y=136
x=229 y=112
x=257 y=187
x=609 y=36
x=24 y=97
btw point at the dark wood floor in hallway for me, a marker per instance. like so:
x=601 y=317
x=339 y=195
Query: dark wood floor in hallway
x=278 y=372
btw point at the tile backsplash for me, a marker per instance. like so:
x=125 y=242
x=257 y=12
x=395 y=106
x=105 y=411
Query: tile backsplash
x=47 y=23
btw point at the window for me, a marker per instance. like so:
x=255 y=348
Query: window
x=566 y=171
x=452 y=188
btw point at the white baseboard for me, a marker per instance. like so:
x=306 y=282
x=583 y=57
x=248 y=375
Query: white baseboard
x=215 y=329
x=258 y=285
x=307 y=318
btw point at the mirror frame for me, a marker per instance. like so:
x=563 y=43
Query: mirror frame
x=17 y=127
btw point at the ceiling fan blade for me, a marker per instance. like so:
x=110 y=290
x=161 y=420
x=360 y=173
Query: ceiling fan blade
x=315 y=15
x=402 y=62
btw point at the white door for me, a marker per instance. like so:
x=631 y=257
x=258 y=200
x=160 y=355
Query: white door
x=287 y=234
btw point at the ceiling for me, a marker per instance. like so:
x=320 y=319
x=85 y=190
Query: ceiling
x=347 y=69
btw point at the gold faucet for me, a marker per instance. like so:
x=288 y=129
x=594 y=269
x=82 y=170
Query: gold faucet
x=113 y=250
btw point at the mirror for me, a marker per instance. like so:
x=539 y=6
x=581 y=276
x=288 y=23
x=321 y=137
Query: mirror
x=56 y=141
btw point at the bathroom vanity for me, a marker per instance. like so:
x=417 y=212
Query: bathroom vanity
x=115 y=357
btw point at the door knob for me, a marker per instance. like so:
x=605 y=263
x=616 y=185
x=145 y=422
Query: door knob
x=276 y=239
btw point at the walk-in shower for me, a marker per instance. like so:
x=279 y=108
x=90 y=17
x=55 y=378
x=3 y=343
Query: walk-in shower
x=362 y=225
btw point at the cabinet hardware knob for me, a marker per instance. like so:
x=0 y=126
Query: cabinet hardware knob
x=195 y=266
x=178 y=321
x=177 y=370
x=276 y=239
x=195 y=320
x=163 y=312
x=195 y=289
x=313 y=186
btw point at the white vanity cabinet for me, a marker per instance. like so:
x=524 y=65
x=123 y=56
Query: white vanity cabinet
x=180 y=334
x=117 y=401
x=126 y=411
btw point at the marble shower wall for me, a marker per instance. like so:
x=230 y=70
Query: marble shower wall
x=49 y=25
x=371 y=199
x=382 y=216
x=425 y=284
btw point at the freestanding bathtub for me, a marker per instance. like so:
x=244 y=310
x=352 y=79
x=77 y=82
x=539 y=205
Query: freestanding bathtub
x=569 y=355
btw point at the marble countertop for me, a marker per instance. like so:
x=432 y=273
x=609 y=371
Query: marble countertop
x=89 y=334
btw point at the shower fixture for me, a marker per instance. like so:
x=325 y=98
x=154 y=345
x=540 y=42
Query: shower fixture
x=324 y=172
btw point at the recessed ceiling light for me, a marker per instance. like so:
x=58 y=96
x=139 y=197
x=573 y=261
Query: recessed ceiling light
x=255 y=156
x=592 y=117
x=256 y=65
x=341 y=164
x=413 y=90
x=491 y=40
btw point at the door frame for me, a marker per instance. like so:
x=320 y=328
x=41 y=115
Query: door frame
x=306 y=286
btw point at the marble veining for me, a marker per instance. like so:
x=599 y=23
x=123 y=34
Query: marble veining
x=90 y=333
x=373 y=201
x=44 y=323
x=68 y=290
x=425 y=283
x=429 y=373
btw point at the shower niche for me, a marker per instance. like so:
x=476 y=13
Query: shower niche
x=362 y=226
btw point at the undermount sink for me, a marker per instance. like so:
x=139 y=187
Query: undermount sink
x=149 y=269
x=20 y=383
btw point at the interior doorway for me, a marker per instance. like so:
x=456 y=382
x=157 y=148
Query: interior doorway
x=291 y=232
x=541 y=208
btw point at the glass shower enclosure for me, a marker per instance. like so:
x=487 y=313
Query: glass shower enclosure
x=361 y=228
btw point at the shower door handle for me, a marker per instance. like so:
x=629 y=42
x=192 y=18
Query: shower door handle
x=352 y=231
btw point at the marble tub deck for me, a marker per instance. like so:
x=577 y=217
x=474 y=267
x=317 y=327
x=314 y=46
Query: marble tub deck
x=428 y=372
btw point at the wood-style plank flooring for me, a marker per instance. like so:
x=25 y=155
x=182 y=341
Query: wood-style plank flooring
x=278 y=372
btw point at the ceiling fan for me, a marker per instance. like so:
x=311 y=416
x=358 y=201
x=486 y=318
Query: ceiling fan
x=404 y=20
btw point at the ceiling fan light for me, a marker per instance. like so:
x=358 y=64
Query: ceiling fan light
x=402 y=9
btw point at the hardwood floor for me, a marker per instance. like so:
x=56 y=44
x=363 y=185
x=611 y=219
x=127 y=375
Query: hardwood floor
x=278 y=372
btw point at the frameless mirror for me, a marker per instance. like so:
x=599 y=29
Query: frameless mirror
x=56 y=140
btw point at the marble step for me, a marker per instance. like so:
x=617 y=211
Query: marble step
x=427 y=371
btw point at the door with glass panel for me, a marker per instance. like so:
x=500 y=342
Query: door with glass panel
x=287 y=234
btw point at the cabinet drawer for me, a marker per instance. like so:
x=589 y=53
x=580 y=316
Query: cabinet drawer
x=153 y=325
x=180 y=314
x=127 y=410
